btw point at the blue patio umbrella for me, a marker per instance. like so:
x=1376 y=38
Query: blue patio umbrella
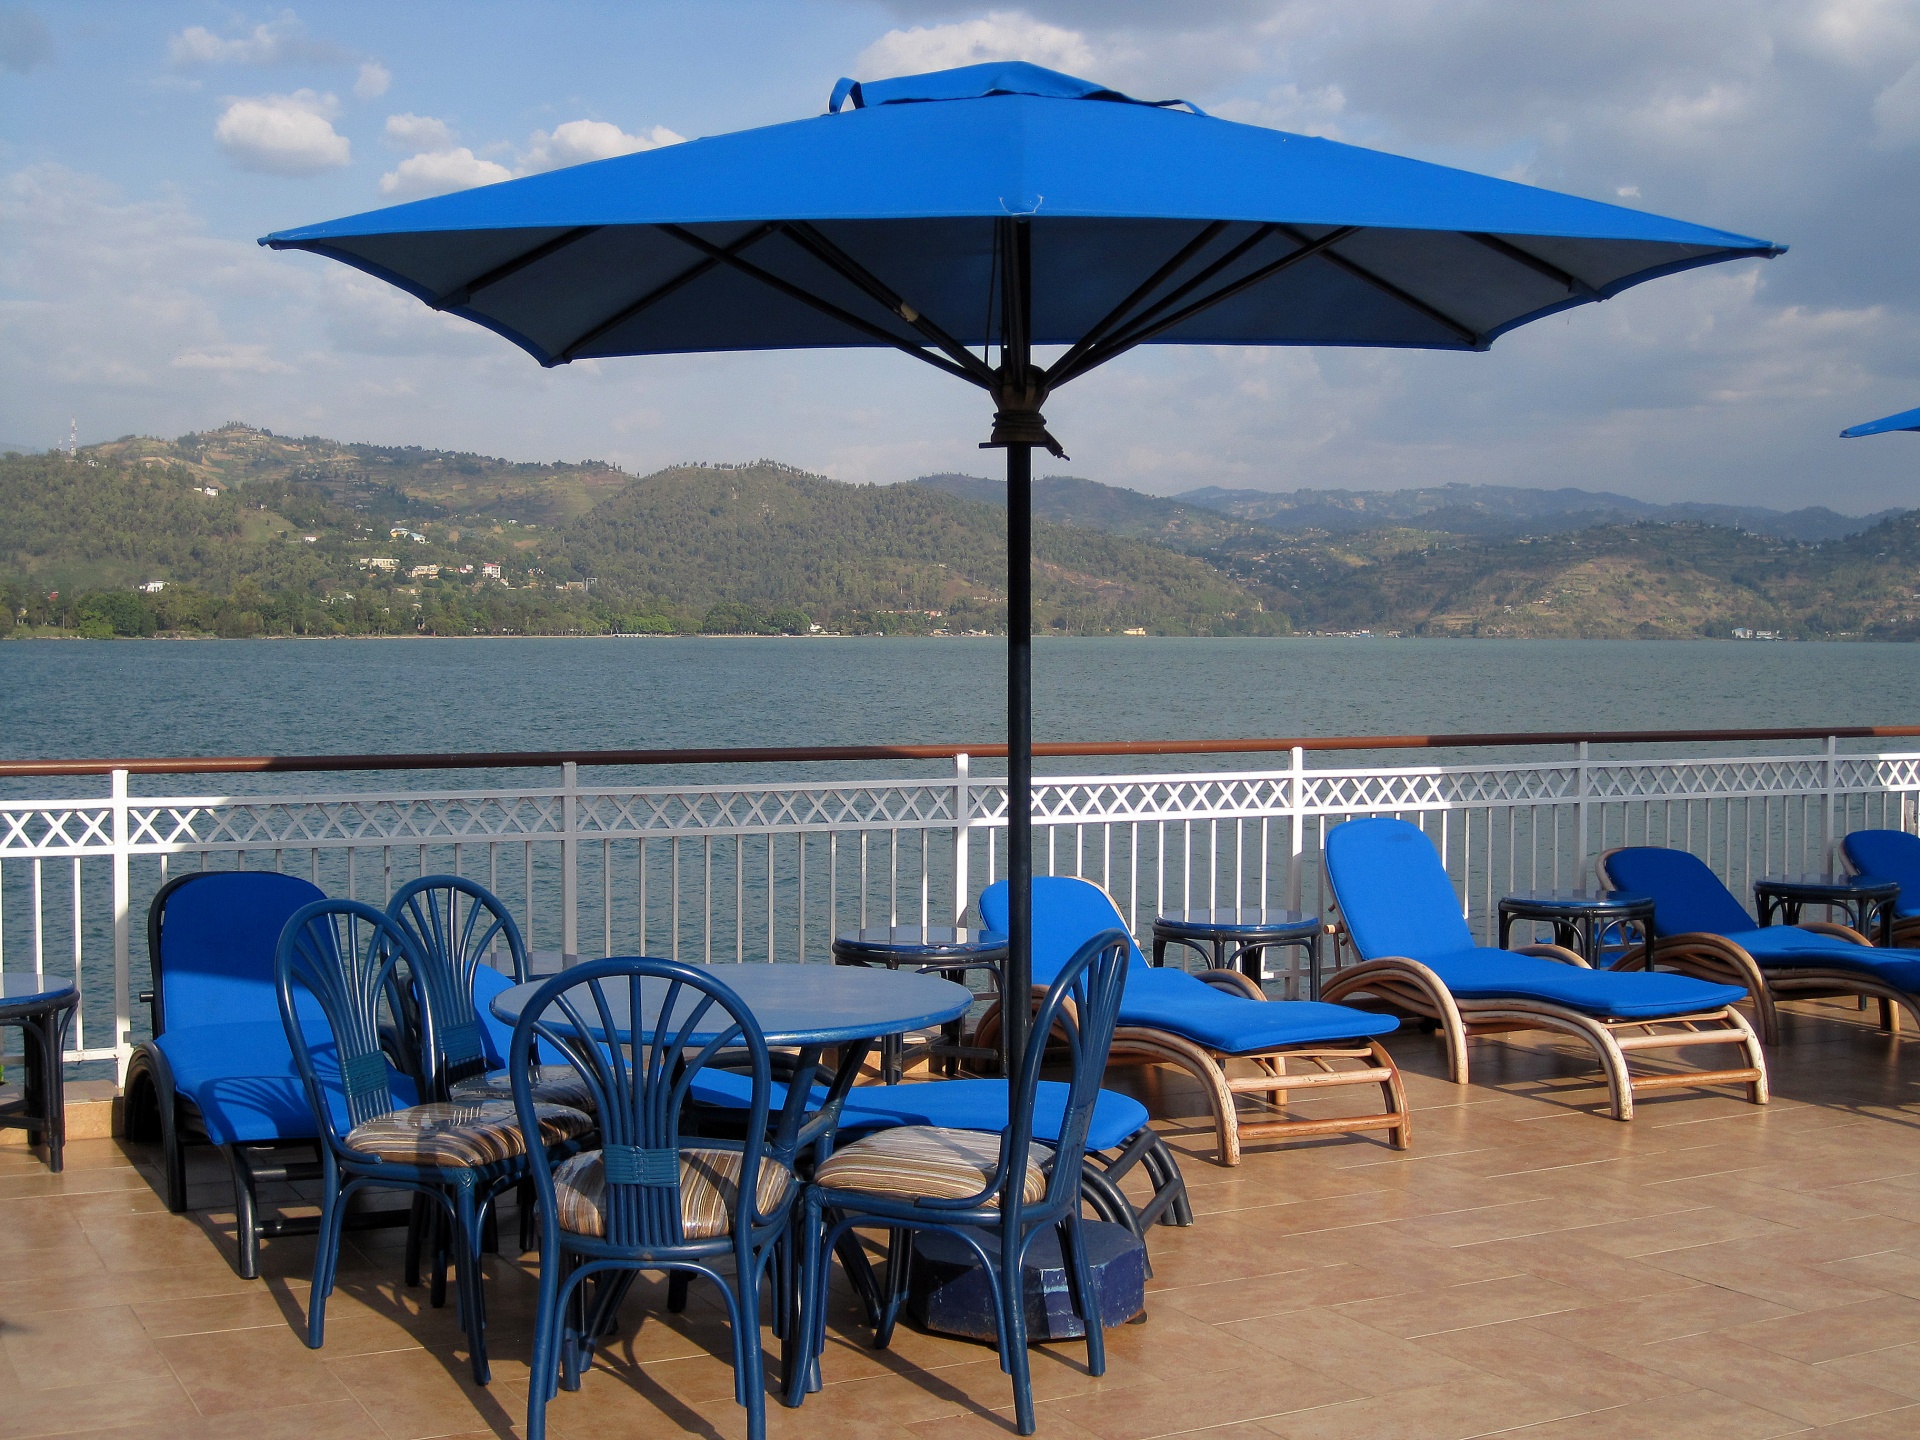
x=967 y=216
x=1905 y=420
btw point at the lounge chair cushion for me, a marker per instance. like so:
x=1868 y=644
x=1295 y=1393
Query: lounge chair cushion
x=242 y=1080
x=461 y=1135
x=552 y=1085
x=1394 y=893
x=1787 y=946
x=1185 y=1005
x=1066 y=914
x=1484 y=974
x=1888 y=855
x=217 y=942
x=926 y=1162
x=709 y=1189
x=1687 y=896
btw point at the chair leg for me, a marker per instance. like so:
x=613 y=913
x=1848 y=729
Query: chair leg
x=899 y=1269
x=468 y=1225
x=1074 y=1244
x=416 y=1233
x=1395 y=1093
x=246 y=1213
x=545 y=1321
x=749 y=1384
x=326 y=1253
x=679 y=1282
x=1013 y=1352
x=802 y=1352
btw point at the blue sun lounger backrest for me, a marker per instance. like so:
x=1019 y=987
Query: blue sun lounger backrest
x=217 y=938
x=1688 y=898
x=1393 y=891
x=1066 y=914
x=1888 y=855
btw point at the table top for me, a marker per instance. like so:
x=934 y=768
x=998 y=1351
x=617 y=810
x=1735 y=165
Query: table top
x=1829 y=884
x=795 y=1004
x=1235 y=921
x=1575 y=901
x=915 y=941
x=18 y=987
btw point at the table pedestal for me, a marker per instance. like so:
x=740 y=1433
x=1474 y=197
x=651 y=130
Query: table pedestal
x=951 y=1293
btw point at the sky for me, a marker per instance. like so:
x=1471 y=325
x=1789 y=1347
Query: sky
x=145 y=146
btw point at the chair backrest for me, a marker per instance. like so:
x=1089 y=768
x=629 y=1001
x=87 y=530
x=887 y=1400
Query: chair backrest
x=1067 y=912
x=1687 y=896
x=1887 y=855
x=458 y=927
x=1079 y=1013
x=1393 y=891
x=350 y=963
x=636 y=1031
x=210 y=942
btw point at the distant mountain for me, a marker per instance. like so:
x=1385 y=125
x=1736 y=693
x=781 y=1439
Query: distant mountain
x=1493 y=510
x=1091 y=505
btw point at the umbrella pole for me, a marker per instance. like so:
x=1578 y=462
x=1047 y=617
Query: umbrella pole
x=1019 y=967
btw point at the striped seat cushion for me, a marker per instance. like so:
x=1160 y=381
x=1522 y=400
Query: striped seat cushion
x=709 y=1188
x=461 y=1134
x=925 y=1162
x=552 y=1085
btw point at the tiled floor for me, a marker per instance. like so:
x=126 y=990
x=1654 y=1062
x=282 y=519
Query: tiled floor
x=1530 y=1268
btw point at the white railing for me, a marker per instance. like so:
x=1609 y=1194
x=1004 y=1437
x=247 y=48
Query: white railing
x=757 y=871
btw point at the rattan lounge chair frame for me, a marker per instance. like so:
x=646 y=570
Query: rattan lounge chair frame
x=1406 y=987
x=1707 y=956
x=1148 y=1045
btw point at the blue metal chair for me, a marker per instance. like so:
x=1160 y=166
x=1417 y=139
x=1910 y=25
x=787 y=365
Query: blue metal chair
x=341 y=970
x=1200 y=1022
x=1703 y=931
x=636 y=1032
x=962 y=1182
x=1418 y=958
x=218 y=1069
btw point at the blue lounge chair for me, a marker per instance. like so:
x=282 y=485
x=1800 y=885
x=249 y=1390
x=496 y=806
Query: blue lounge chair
x=218 y=1069
x=1418 y=958
x=1890 y=855
x=1701 y=930
x=1199 y=1022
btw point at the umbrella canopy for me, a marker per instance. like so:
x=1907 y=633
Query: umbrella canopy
x=1005 y=206
x=1905 y=420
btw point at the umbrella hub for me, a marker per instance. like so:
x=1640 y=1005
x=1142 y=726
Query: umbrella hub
x=1017 y=420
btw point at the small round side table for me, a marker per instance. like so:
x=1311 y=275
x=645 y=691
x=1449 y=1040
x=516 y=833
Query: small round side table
x=1579 y=917
x=1239 y=939
x=1860 y=897
x=946 y=950
x=42 y=1008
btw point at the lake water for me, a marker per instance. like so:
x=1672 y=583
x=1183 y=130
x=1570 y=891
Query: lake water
x=124 y=698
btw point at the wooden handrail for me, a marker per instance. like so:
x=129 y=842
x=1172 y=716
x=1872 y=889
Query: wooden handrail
x=748 y=755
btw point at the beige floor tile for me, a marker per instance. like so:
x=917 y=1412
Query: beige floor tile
x=1760 y=1377
x=56 y=1349
x=1843 y=1330
x=1620 y=1327
x=244 y=1369
x=1456 y=1307
x=1275 y=1294
x=1357 y=1355
x=1484 y=1405
x=411 y=1393
x=1140 y=1412
x=1695 y=1414
x=1520 y=1351
x=98 y=1402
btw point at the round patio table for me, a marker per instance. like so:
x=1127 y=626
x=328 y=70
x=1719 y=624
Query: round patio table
x=947 y=950
x=1861 y=898
x=1240 y=938
x=1579 y=917
x=42 y=1008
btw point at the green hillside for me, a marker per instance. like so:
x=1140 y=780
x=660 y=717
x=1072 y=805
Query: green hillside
x=249 y=533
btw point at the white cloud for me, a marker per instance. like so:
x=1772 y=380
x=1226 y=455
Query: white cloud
x=232 y=359
x=437 y=172
x=420 y=132
x=579 y=141
x=283 y=134
x=275 y=42
x=999 y=35
x=373 y=80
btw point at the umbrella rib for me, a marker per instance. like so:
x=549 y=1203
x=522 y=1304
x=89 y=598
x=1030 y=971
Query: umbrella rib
x=567 y=352
x=1097 y=354
x=1139 y=335
x=1146 y=287
x=1533 y=262
x=828 y=253
x=825 y=307
x=461 y=294
x=1405 y=297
